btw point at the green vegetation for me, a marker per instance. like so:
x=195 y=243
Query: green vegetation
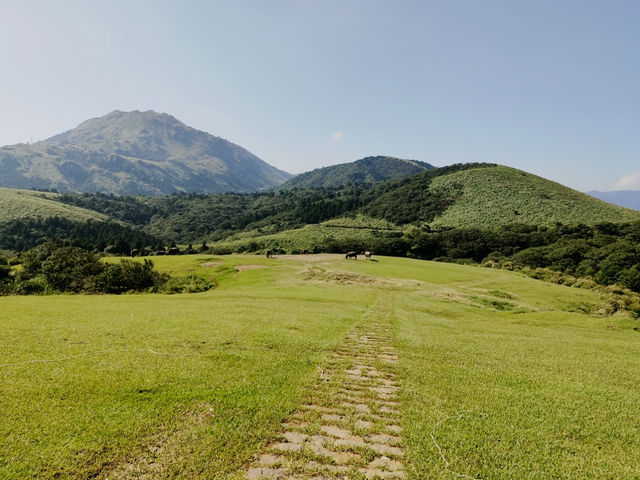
x=491 y=197
x=501 y=376
x=95 y=381
x=462 y=213
x=482 y=196
x=508 y=395
x=21 y=204
x=56 y=268
x=364 y=171
x=336 y=235
x=111 y=237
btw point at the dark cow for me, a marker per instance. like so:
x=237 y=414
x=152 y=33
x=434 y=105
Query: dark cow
x=268 y=253
x=160 y=252
x=135 y=252
x=304 y=251
x=173 y=251
x=367 y=255
x=351 y=254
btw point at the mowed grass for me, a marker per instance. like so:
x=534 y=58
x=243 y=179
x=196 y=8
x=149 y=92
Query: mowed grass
x=89 y=383
x=501 y=377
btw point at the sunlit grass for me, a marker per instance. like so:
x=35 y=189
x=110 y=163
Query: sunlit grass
x=91 y=384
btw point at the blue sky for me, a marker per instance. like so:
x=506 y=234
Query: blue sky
x=552 y=87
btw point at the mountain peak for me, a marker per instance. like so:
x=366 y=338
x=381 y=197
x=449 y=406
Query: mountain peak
x=118 y=126
x=371 y=169
x=136 y=153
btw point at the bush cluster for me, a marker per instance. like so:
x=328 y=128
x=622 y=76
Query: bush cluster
x=607 y=253
x=56 y=268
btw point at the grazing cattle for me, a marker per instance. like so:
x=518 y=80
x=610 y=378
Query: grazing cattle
x=173 y=251
x=160 y=252
x=268 y=253
x=367 y=255
x=351 y=254
x=135 y=252
x=304 y=251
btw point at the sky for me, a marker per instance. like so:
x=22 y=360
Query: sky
x=548 y=86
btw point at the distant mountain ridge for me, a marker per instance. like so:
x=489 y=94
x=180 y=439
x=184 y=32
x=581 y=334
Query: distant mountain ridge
x=622 y=198
x=364 y=171
x=139 y=153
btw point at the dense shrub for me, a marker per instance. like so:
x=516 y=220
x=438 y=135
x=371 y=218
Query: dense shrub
x=608 y=253
x=66 y=269
x=187 y=284
x=126 y=276
x=53 y=267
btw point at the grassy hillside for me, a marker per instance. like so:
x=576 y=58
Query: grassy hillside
x=483 y=196
x=18 y=204
x=490 y=197
x=498 y=373
x=364 y=171
x=487 y=196
x=359 y=231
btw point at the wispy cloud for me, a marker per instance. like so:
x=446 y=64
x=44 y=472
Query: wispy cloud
x=336 y=137
x=629 y=181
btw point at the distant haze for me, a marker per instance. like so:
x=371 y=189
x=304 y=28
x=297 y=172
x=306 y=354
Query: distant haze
x=623 y=198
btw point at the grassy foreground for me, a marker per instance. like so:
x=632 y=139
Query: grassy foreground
x=501 y=377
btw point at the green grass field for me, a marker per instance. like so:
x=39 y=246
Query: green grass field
x=16 y=204
x=360 y=229
x=500 y=375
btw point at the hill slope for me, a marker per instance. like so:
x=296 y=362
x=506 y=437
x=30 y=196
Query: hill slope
x=142 y=153
x=364 y=171
x=20 y=204
x=496 y=196
x=483 y=196
x=488 y=196
x=622 y=198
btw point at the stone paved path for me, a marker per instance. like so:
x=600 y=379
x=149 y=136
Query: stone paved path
x=350 y=426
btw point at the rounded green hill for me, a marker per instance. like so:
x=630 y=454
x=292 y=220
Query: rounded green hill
x=493 y=196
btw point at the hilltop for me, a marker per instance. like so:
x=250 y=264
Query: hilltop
x=364 y=171
x=140 y=153
x=488 y=196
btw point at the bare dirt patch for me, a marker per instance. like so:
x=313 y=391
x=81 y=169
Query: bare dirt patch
x=342 y=278
x=313 y=257
x=242 y=268
x=455 y=297
x=210 y=264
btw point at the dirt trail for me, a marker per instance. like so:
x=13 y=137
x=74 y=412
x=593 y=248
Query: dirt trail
x=350 y=426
